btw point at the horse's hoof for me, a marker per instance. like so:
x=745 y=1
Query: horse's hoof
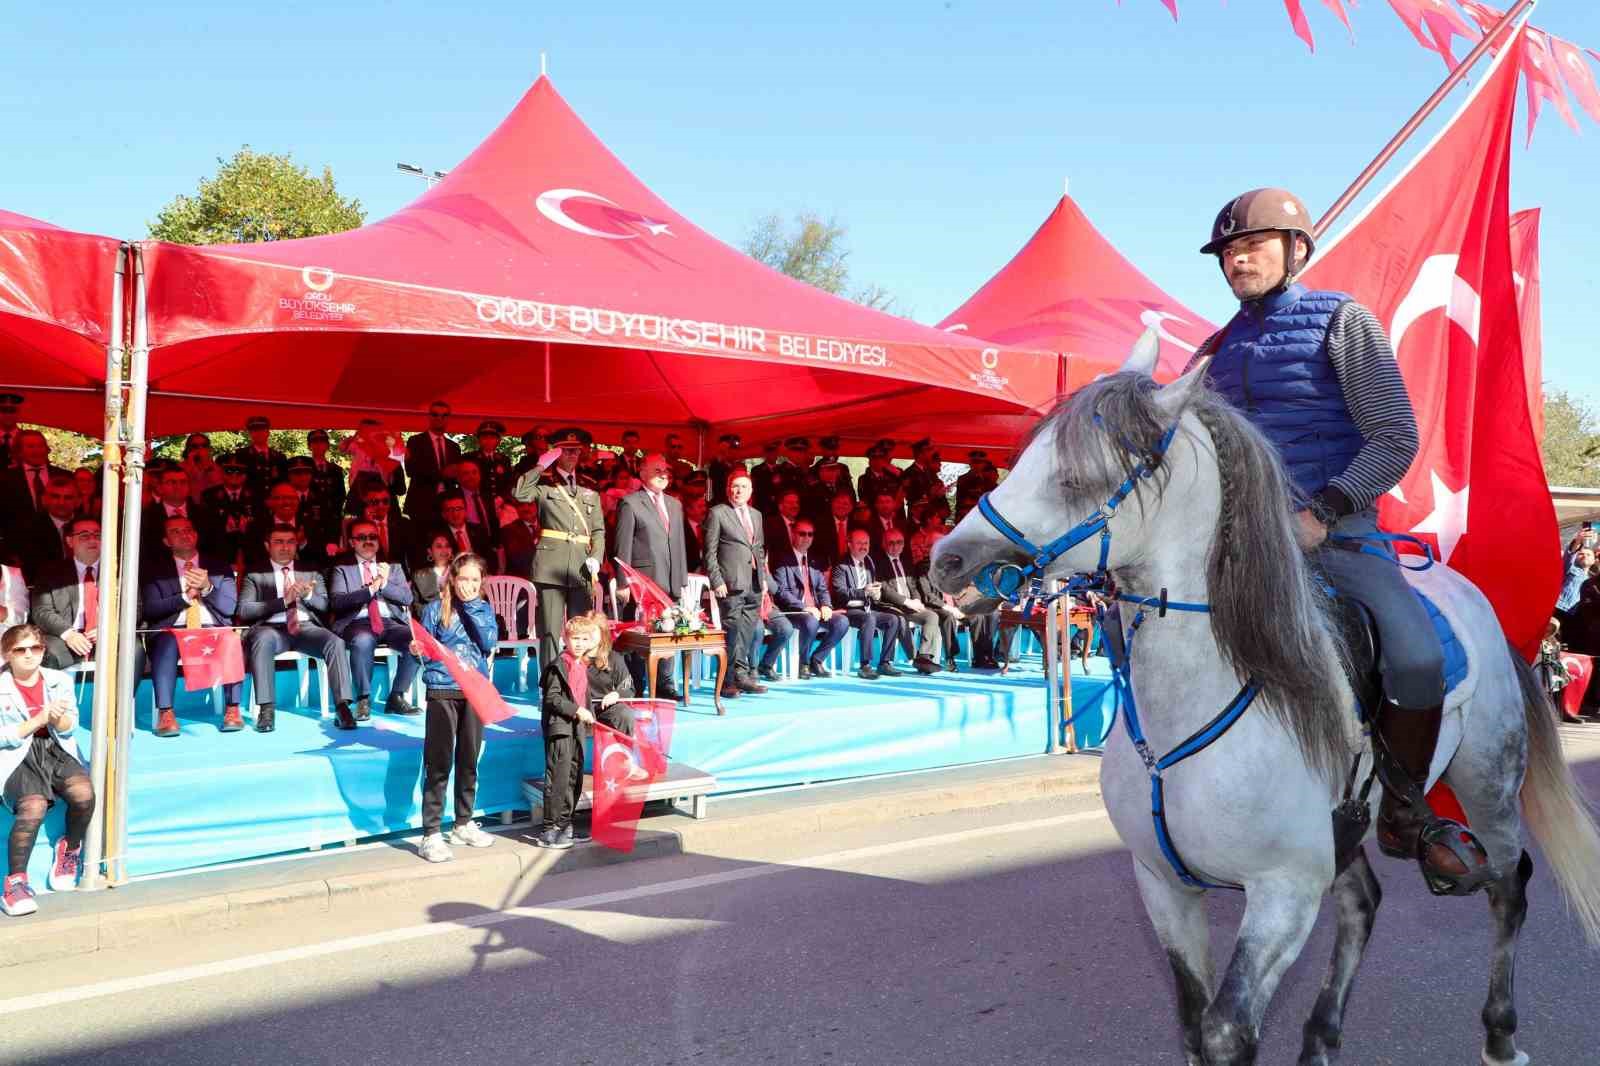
x=1520 y=1059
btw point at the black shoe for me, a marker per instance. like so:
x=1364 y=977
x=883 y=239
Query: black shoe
x=551 y=838
x=264 y=719
x=867 y=673
x=363 y=709
x=1452 y=859
x=343 y=718
x=888 y=670
x=925 y=665
x=666 y=690
x=804 y=673
x=769 y=675
x=397 y=704
x=818 y=670
x=729 y=692
x=746 y=683
x=581 y=833
x=950 y=666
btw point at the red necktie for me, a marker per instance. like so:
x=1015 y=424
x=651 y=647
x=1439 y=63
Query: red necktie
x=661 y=509
x=461 y=540
x=805 y=581
x=373 y=612
x=291 y=615
x=438 y=453
x=744 y=519
x=91 y=602
x=844 y=545
x=38 y=488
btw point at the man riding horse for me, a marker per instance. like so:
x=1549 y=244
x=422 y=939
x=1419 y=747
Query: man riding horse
x=1315 y=373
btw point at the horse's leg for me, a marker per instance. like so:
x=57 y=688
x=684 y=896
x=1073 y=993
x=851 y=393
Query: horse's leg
x=1508 y=902
x=1179 y=918
x=1278 y=916
x=1356 y=895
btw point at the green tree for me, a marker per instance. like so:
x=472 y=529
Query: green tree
x=257 y=197
x=812 y=250
x=1571 y=445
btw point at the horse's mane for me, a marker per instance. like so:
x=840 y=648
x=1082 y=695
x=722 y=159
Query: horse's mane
x=1270 y=619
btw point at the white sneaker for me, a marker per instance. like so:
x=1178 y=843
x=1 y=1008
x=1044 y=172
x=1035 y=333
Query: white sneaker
x=469 y=835
x=434 y=849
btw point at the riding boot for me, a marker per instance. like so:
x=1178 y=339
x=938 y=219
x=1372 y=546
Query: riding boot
x=1405 y=815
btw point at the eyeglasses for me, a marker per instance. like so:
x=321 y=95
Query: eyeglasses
x=27 y=649
x=364 y=537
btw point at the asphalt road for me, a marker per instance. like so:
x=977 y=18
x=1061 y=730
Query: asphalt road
x=1015 y=937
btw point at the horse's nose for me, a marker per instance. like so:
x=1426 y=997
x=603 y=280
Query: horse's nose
x=950 y=563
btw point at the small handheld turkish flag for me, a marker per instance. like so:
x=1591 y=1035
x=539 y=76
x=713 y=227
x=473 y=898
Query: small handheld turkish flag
x=209 y=656
x=651 y=597
x=484 y=699
x=623 y=766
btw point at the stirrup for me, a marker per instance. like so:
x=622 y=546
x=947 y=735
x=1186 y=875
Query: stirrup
x=1461 y=842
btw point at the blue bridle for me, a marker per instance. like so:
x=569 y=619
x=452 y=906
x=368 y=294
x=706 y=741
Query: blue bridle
x=1006 y=581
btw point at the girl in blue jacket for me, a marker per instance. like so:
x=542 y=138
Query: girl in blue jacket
x=461 y=620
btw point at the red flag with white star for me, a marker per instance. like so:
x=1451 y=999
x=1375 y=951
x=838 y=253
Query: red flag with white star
x=623 y=767
x=1434 y=24
x=210 y=656
x=1525 y=275
x=481 y=695
x=1431 y=256
x=1579 y=78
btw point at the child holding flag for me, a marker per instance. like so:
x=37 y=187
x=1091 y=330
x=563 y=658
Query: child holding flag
x=584 y=684
x=463 y=622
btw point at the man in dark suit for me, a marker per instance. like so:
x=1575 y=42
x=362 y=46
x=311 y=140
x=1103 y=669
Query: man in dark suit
x=397 y=537
x=919 y=622
x=695 y=509
x=779 y=531
x=801 y=592
x=65 y=600
x=369 y=601
x=887 y=517
x=427 y=456
x=481 y=506
x=519 y=541
x=42 y=539
x=833 y=533
x=572 y=535
x=464 y=535
x=323 y=524
x=920 y=481
x=234 y=505
x=650 y=539
x=734 y=550
x=182 y=588
x=856 y=589
x=9 y=402
x=172 y=499
x=680 y=466
x=283 y=604
x=283 y=509
x=265 y=465
x=22 y=487
x=722 y=467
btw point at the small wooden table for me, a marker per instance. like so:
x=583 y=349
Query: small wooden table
x=658 y=646
x=1057 y=659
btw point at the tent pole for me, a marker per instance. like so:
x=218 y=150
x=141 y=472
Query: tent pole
x=105 y=665
x=133 y=515
x=546 y=371
x=1428 y=107
x=700 y=445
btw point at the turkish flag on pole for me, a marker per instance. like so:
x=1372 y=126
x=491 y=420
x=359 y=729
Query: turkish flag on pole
x=1434 y=24
x=209 y=657
x=484 y=699
x=1431 y=256
x=623 y=766
x=1525 y=275
x=1537 y=58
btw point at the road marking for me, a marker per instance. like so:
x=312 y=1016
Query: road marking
x=210 y=970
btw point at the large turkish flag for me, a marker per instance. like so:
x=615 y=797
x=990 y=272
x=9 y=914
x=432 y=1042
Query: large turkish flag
x=1431 y=256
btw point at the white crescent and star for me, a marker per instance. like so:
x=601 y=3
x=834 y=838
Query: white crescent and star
x=552 y=205
x=1448 y=519
x=1150 y=318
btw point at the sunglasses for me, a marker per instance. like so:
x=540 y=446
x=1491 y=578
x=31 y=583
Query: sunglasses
x=798 y=535
x=27 y=649
x=365 y=537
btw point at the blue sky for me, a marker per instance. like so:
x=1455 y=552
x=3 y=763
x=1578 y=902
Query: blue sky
x=938 y=132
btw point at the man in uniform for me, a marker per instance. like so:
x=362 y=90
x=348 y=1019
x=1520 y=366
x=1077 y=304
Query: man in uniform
x=572 y=539
x=880 y=474
x=676 y=462
x=830 y=452
x=9 y=402
x=1315 y=373
x=721 y=467
x=235 y=504
x=975 y=482
x=496 y=468
x=327 y=476
x=265 y=465
x=921 y=478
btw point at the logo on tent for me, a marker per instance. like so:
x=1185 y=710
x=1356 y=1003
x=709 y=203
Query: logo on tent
x=987 y=378
x=593 y=215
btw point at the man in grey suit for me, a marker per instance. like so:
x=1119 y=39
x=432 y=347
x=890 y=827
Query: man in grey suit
x=650 y=539
x=735 y=562
x=66 y=597
x=284 y=605
x=370 y=601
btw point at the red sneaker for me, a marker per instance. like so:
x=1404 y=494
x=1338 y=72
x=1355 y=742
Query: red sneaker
x=64 y=874
x=166 y=723
x=17 y=899
x=231 y=720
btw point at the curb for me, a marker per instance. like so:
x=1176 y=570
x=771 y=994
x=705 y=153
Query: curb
x=329 y=884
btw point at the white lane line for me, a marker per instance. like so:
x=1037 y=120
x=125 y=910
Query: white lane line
x=210 y=970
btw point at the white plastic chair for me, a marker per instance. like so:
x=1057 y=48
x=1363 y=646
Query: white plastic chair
x=303 y=665
x=391 y=658
x=507 y=595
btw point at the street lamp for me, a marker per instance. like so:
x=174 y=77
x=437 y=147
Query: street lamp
x=411 y=168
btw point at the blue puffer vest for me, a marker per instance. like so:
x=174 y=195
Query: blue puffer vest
x=1273 y=366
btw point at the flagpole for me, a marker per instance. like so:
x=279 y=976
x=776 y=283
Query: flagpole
x=1398 y=141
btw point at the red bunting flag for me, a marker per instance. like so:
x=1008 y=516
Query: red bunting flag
x=1539 y=74
x=1337 y=7
x=1525 y=275
x=1431 y=256
x=1579 y=78
x=1435 y=25
x=210 y=657
x=1172 y=6
x=480 y=692
x=623 y=766
x=1302 y=25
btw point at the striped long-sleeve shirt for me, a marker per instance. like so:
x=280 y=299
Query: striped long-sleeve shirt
x=1364 y=361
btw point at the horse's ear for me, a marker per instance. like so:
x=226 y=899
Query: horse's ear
x=1144 y=354
x=1175 y=396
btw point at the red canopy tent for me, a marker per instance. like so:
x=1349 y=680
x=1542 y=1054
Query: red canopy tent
x=1070 y=291
x=56 y=295
x=541 y=280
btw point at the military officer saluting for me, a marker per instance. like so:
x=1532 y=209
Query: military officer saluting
x=572 y=543
x=497 y=479
x=880 y=475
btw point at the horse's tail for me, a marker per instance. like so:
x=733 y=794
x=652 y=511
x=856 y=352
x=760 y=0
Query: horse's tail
x=1555 y=809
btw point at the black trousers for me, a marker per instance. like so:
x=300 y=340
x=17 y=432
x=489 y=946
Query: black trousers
x=556 y=604
x=741 y=620
x=267 y=640
x=453 y=739
x=563 y=779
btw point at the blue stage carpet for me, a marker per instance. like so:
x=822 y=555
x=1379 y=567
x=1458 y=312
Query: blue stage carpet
x=207 y=797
